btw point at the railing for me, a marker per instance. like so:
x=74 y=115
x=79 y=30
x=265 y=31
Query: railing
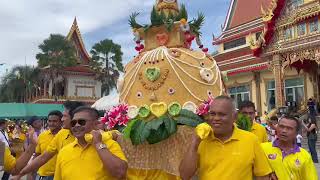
x=62 y=98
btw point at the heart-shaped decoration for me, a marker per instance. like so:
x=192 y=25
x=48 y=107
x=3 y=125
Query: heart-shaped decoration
x=158 y=109
x=162 y=38
x=206 y=74
x=152 y=73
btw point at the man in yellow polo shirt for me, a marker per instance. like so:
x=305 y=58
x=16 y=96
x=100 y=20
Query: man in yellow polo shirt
x=287 y=159
x=63 y=138
x=14 y=166
x=46 y=171
x=248 y=108
x=229 y=153
x=95 y=159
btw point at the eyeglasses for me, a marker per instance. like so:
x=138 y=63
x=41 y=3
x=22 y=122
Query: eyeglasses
x=81 y=122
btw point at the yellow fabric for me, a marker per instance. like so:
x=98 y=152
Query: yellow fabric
x=260 y=132
x=44 y=140
x=63 y=138
x=76 y=162
x=298 y=166
x=240 y=157
x=9 y=160
x=139 y=174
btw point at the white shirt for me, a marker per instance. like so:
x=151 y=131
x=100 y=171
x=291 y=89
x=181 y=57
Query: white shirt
x=4 y=137
x=299 y=138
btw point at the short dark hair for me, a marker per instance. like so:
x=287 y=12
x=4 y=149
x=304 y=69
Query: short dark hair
x=274 y=118
x=227 y=98
x=32 y=119
x=246 y=104
x=292 y=118
x=72 y=105
x=55 y=113
x=93 y=112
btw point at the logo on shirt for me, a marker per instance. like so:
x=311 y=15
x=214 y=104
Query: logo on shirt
x=297 y=162
x=272 y=156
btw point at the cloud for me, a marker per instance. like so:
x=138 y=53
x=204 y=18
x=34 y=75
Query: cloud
x=25 y=24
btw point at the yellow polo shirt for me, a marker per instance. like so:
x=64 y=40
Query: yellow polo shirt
x=260 y=132
x=76 y=162
x=63 y=138
x=9 y=160
x=297 y=165
x=44 y=140
x=240 y=157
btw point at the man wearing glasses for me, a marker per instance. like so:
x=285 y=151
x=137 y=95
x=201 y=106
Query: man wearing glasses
x=100 y=159
x=228 y=153
x=248 y=108
x=286 y=158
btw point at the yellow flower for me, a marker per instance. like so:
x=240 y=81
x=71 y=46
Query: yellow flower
x=203 y=130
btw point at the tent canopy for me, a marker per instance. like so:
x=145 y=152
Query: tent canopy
x=107 y=102
x=24 y=110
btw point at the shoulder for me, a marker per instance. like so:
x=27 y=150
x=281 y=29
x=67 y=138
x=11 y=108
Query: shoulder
x=266 y=145
x=304 y=153
x=245 y=135
x=259 y=126
x=67 y=148
x=62 y=133
x=46 y=132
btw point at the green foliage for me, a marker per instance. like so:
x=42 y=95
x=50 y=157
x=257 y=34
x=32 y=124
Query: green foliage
x=127 y=130
x=243 y=122
x=182 y=13
x=190 y=115
x=56 y=52
x=136 y=135
x=187 y=121
x=132 y=21
x=107 y=62
x=196 y=24
x=19 y=83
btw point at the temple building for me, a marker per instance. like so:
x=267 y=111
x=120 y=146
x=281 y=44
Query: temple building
x=74 y=83
x=269 y=50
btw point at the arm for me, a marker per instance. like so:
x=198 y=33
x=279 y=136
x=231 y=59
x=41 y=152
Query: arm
x=37 y=163
x=113 y=164
x=312 y=127
x=25 y=157
x=188 y=165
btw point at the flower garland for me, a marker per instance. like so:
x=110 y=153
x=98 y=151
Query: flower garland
x=116 y=116
x=204 y=108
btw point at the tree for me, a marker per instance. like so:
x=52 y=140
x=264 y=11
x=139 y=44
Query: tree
x=19 y=84
x=107 y=62
x=56 y=53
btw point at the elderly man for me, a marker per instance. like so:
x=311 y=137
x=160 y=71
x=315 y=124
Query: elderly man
x=46 y=171
x=248 y=108
x=229 y=153
x=100 y=159
x=287 y=159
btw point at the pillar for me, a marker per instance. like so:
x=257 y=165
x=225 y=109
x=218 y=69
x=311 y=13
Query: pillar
x=278 y=77
x=258 y=92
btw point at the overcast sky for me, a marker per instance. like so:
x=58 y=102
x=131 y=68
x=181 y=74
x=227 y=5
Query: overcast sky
x=25 y=24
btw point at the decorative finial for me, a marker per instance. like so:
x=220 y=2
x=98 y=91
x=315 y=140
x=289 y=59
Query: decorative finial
x=167 y=6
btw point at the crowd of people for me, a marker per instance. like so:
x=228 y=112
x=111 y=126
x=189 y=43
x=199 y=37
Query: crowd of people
x=75 y=145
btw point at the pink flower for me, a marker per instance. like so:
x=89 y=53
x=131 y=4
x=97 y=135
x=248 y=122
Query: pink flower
x=116 y=116
x=204 y=108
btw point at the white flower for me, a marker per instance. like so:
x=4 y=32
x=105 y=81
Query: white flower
x=133 y=112
x=190 y=106
x=206 y=74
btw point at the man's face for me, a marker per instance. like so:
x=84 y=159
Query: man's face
x=66 y=118
x=82 y=123
x=37 y=124
x=249 y=111
x=221 y=116
x=54 y=122
x=286 y=130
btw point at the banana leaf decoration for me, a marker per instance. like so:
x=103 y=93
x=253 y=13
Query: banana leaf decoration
x=243 y=122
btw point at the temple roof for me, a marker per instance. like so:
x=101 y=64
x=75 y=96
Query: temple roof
x=75 y=36
x=243 y=11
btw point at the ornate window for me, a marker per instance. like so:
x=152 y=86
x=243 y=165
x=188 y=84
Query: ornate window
x=313 y=25
x=271 y=95
x=240 y=93
x=294 y=90
x=301 y=29
x=234 y=43
x=288 y=33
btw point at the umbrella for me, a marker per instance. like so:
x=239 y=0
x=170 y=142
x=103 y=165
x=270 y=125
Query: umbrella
x=106 y=102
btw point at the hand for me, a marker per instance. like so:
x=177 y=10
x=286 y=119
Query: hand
x=195 y=141
x=273 y=176
x=32 y=137
x=96 y=137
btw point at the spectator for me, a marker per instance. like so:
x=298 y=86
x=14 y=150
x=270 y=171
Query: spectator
x=312 y=128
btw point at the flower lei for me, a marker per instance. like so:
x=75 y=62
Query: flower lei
x=116 y=116
x=204 y=107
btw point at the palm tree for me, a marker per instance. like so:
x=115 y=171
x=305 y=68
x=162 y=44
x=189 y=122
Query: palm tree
x=19 y=84
x=107 y=61
x=56 y=53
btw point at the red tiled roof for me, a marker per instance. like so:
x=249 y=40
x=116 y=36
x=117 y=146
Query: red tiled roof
x=229 y=67
x=244 y=11
x=233 y=54
x=79 y=68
